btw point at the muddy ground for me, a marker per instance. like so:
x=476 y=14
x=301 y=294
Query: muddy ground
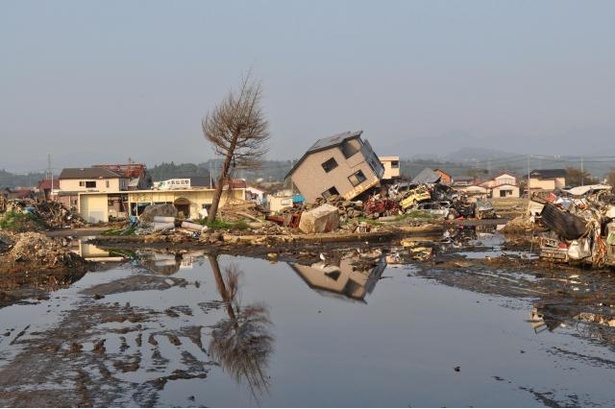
x=564 y=293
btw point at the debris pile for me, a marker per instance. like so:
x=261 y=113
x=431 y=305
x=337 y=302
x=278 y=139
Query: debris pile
x=165 y=210
x=580 y=225
x=41 y=215
x=236 y=211
x=34 y=251
x=439 y=199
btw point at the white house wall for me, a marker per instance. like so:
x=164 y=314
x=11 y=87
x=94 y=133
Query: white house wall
x=95 y=209
x=92 y=204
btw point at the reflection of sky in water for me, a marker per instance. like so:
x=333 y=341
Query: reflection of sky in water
x=397 y=349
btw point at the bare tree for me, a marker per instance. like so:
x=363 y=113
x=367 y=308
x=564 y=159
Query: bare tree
x=238 y=131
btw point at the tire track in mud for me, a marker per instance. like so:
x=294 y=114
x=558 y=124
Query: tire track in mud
x=106 y=354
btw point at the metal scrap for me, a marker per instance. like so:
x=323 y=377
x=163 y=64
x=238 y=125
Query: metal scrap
x=580 y=228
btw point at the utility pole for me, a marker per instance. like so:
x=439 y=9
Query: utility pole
x=50 y=175
x=582 y=171
x=528 y=178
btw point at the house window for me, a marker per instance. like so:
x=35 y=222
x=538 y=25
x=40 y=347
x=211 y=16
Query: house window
x=505 y=193
x=90 y=184
x=329 y=165
x=348 y=149
x=107 y=183
x=357 y=178
x=394 y=164
x=81 y=183
x=331 y=192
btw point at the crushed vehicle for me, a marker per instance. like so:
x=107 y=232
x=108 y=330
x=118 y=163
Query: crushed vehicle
x=439 y=199
x=413 y=197
x=580 y=228
x=484 y=210
x=441 y=208
x=464 y=207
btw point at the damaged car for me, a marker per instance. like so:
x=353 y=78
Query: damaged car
x=580 y=228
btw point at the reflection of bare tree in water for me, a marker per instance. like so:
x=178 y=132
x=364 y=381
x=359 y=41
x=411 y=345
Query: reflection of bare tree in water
x=242 y=343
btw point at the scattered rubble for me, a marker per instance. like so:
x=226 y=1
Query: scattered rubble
x=35 y=251
x=31 y=215
x=579 y=224
x=322 y=219
x=150 y=211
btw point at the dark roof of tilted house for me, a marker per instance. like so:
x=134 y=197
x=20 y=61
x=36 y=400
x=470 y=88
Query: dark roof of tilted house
x=548 y=173
x=325 y=143
x=89 y=173
x=332 y=141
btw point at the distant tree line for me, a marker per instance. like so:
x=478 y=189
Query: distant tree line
x=11 y=180
x=275 y=171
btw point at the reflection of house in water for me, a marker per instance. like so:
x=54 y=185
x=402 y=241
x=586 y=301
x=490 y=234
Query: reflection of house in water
x=349 y=277
x=91 y=252
x=169 y=263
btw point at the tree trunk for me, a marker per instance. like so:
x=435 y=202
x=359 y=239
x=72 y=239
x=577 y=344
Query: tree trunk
x=215 y=268
x=213 y=211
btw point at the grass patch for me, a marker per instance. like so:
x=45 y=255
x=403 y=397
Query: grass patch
x=219 y=224
x=21 y=222
x=419 y=214
x=120 y=232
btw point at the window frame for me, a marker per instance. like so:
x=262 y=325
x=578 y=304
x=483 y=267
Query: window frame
x=358 y=178
x=329 y=165
x=332 y=191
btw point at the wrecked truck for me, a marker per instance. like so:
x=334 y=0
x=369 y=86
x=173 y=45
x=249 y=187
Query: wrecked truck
x=579 y=229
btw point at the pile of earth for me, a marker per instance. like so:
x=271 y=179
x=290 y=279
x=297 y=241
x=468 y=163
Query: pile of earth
x=34 y=251
x=33 y=264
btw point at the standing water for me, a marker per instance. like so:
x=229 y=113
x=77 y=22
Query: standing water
x=243 y=332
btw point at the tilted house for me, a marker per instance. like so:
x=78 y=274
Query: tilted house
x=342 y=164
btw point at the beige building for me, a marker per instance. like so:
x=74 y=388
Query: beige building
x=73 y=181
x=505 y=190
x=95 y=207
x=391 y=167
x=547 y=179
x=503 y=185
x=342 y=164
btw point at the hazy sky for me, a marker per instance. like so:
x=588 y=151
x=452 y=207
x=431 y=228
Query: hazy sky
x=102 y=81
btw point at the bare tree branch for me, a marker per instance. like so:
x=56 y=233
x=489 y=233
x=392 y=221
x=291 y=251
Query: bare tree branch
x=238 y=131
